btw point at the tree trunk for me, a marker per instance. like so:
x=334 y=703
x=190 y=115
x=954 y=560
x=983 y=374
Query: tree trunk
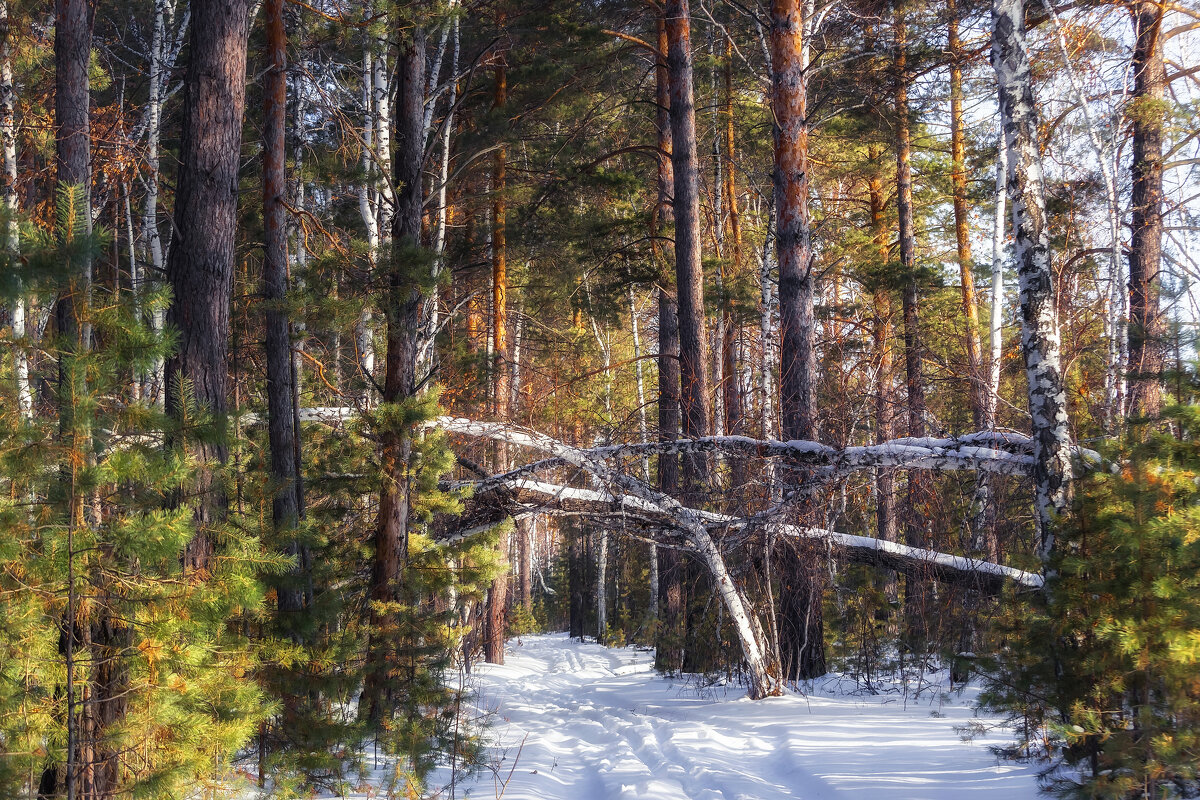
x=524 y=532
x=497 y=611
x=958 y=178
x=402 y=308
x=885 y=482
x=381 y=89
x=1146 y=330
x=1039 y=326
x=576 y=585
x=8 y=138
x=996 y=324
x=280 y=389
x=731 y=387
x=917 y=502
x=443 y=209
x=669 y=634
x=72 y=140
x=200 y=265
x=694 y=401
x=159 y=70
x=801 y=627
x=601 y=586
x=644 y=435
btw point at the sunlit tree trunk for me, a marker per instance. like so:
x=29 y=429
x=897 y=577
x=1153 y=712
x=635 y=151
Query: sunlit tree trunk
x=801 y=624
x=881 y=332
x=433 y=312
x=161 y=62
x=694 y=400
x=996 y=323
x=962 y=233
x=644 y=435
x=497 y=604
x=731 y=387
x=1146 y=329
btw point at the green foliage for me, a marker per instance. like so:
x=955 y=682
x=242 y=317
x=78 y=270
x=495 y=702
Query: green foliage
x=319 y=655
x=419 y=634
x=1102 y=677
x=90 y=541
x=522 y=621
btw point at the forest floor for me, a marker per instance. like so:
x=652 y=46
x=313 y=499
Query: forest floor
x=582 y=722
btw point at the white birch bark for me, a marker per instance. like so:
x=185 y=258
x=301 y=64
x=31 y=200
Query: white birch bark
x=300 y=243
x=643 y=431
x=1039 y=326
x=8 y=138
x=368 y=209
x=432 y=305
x=766 y=327
x=549 y=498
x=999 y=229
x=514 y=383
x=159 y=72
x=431 y=86
x=383 y=126
x=601 y=585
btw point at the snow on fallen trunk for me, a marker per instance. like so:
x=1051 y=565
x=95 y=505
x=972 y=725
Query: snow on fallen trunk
x=859 y=549
x=763 y=673
x=1002 y=452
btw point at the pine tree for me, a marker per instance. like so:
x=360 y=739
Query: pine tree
x=1101 y=677
x=129 y=676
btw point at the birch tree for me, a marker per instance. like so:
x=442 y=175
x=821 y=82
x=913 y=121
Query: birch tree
x=1039 y=326
x=8 y=139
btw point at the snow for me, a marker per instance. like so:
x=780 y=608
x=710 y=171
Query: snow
x=583 y=722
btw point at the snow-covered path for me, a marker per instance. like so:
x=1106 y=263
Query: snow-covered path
x=581 y=722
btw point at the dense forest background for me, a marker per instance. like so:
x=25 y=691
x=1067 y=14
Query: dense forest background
x=343 y=340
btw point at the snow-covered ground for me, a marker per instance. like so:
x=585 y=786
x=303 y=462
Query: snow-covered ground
x=575 y=721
